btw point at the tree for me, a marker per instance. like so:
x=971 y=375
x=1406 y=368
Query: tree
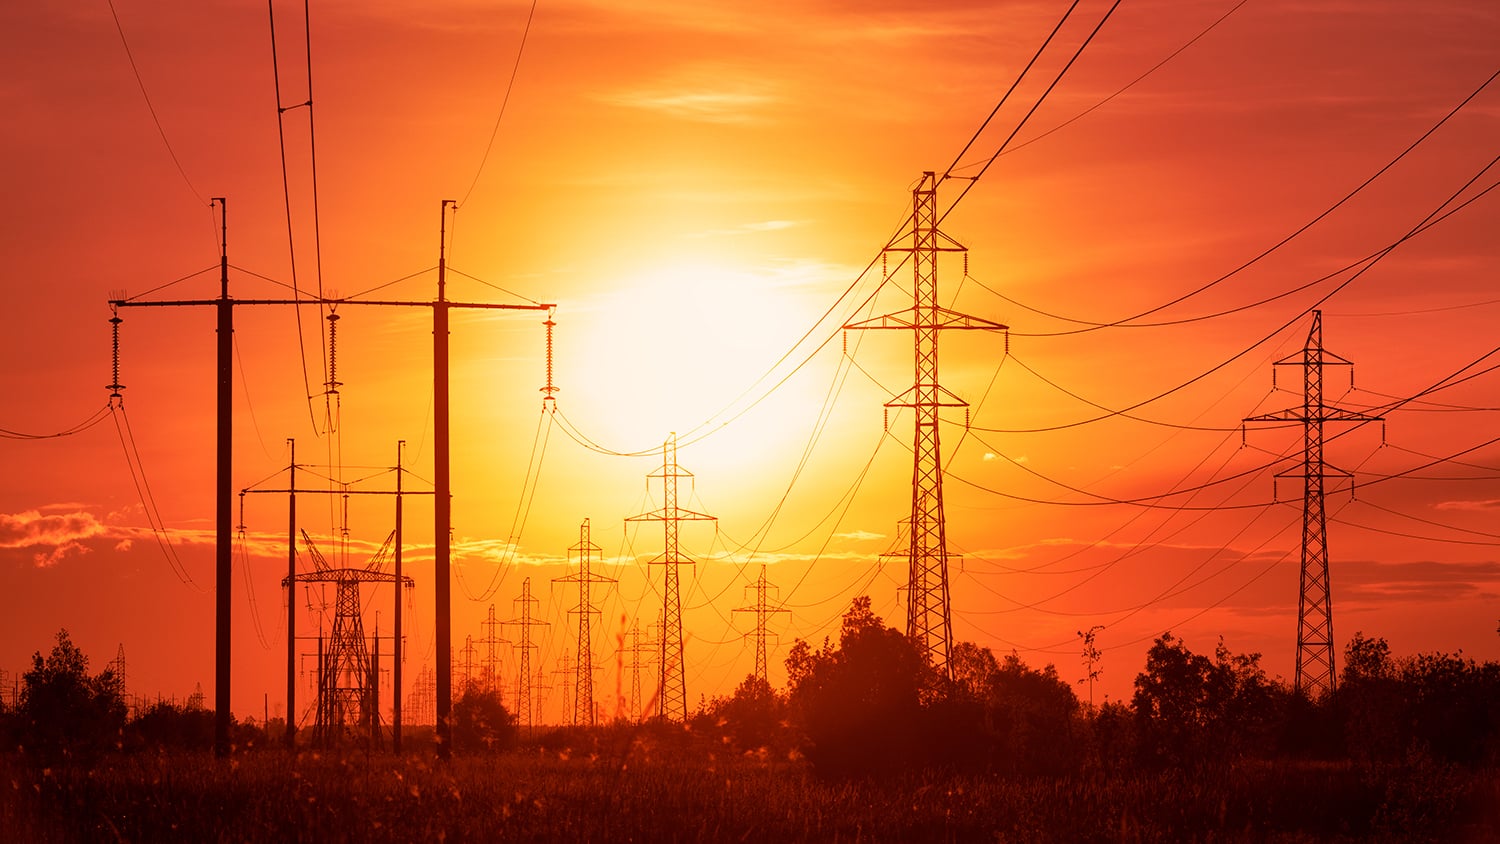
x=65 y=714
x=1189 y=708
x=755 y=716
x=859 y=703
x=481 y=721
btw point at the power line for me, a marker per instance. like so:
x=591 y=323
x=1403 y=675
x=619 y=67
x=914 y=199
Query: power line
x=509 y=85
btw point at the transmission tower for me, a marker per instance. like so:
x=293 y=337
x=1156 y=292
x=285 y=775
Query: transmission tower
x=583 y=685
x=1315 y=667
x=346 y=672
x=467 y=652
x=568 y=671
x=524 y=709
x=763 y=611
x=636 y=649
x=929 y=618
x=489 y=671
x=673 y=684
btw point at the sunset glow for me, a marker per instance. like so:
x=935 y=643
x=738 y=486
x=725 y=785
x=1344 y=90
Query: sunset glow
x=704 y=192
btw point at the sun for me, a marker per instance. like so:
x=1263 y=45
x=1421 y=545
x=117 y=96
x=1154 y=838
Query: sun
x=680 y=348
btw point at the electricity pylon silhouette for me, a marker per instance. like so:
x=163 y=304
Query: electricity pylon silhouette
x=1315 y=646
x=673 y=705
x=929 y=618
x=635 y=649
x=524 y=709
x=346 y=673
x=763 y=610
x=489 y=670
x=583 y=685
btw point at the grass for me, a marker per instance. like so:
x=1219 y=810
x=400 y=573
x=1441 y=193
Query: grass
x=658 y=794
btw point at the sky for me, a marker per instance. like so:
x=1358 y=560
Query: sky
x=704 y=194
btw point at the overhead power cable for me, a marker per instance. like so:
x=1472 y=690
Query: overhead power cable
x=1130 y=321
x=504 y=101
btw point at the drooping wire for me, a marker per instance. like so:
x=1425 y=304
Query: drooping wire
x=151 y=108
x=147 y=499
x=286 y=192
x=520 y=51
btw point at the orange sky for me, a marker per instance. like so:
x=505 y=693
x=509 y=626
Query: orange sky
x=694 y=189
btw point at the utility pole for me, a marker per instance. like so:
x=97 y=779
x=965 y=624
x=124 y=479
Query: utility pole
x=673 y=682
x=763 y=610
x=443 y=492
x=583 y=703
x=293 y=578
x=929 y=618
x=524 y=679
x=1315 y=644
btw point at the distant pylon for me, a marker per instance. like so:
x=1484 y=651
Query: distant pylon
x=489 y=670
x=673 y=705
x=1315 y=644
x=636 y=648
x=583 y=684
x=763 y=610
x=929 y=618
x=568 y=672
x=524 y=709
x=467 y=652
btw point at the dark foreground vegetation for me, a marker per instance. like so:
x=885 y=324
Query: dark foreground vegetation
x=859 y=748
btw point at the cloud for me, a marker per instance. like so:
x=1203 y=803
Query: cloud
x=1420 y=580
x=51 y=558
x=700 y=105
x=1486 y=504
x=31 y=528
x=860 y=535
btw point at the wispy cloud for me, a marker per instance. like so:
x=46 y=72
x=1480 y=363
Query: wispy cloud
x=31 y=528
x=1483 y=504
x=702 y=105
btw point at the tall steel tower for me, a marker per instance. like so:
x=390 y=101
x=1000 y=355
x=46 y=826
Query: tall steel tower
x=524 y=710
x=929 y=619
x=1315 y=645
x=583 y=686
x=346 y=672
x=673 y=685
x=489 y=666
x=763 y=610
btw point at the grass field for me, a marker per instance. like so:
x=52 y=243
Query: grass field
x=652 y=793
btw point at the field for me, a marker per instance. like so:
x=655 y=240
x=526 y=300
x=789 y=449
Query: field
x=645 y=790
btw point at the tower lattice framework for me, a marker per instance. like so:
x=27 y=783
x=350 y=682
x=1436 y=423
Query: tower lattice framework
x=763 y=609
x=1315 y=643
x=347 y=674
x=583 y=681
x=929 y=619
x=525 y=712
x=673 y=706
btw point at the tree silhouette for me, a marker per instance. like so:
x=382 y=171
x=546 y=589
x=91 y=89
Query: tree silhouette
x=64 y=713
x=859 y=703
x=755 y=716
x=481 y=721
x=1189 y=708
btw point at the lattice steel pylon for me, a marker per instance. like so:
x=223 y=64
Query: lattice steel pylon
x=929 y=618
x=673 y=691
x=763 y=611
x=583 y=682
x=1315 y=644
x=525 y=712
x=347 y=675
x=489 y=666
